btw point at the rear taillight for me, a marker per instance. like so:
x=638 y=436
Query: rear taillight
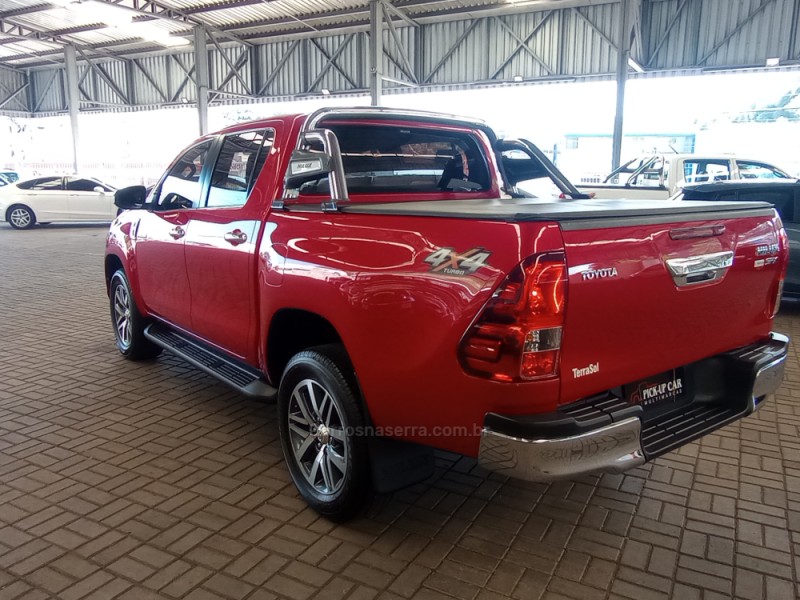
x=518 y=335
x=784 y=257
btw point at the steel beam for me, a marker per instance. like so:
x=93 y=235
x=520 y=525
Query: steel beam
x=13 y=94
x=667 y=33
x=452 y=49
x=393 y=10
x=73 y=101
x=376 y=51
x=623 y=53
x=43 y=94
x=233 y=66
x=101 y=72
x=201 y=70
x=331 y=62
x=188 y=77
x=522 y=44
x=408 y=69
x=747 y=20
x=135 y=62
x=791 y=50
x=279 y=67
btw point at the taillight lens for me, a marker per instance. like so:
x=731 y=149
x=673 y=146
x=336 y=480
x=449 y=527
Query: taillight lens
x=518 y=335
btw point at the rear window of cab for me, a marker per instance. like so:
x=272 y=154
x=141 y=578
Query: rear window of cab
x=380 y=159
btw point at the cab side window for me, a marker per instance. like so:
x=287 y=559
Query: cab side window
x=182 y=187
x=705 y=171
x=240 y=160
x=755 y=170
x=42 y=183
x=85 y=185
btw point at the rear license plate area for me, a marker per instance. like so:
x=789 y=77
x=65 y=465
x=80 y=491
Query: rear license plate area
x=659 y=393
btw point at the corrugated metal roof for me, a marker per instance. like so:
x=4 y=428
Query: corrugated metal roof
x=99 y=23
x=456 y=43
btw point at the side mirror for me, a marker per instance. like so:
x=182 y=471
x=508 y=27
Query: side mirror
x=99 y=189
x=130 y=197
x=305 y=166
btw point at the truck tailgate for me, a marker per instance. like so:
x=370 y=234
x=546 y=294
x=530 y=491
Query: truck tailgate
x=633 y=312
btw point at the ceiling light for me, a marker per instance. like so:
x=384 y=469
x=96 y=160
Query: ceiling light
x=100 y=12
x=517 y=78
x=325 y=92
x=773 y=62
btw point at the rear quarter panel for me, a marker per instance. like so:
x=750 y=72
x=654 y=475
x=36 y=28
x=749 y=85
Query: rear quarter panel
x=400 y=319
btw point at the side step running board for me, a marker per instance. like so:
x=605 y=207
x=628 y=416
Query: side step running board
x=235 y=374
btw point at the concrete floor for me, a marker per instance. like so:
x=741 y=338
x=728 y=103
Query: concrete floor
x=152 y=480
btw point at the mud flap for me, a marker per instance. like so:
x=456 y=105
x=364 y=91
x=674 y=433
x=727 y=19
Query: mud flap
x=396 y=464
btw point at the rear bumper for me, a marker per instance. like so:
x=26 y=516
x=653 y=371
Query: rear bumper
x=608 y=434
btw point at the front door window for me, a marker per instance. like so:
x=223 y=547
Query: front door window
x=182 y=187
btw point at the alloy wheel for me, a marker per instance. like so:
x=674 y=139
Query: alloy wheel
x=317 y=436
x=20 y=217
x=122 y=315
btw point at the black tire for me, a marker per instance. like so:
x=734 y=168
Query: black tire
x=128 y=322
x=329 y=441
x=20 y=216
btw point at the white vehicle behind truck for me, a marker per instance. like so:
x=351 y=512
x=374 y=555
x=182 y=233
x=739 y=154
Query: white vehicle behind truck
x=660 y=176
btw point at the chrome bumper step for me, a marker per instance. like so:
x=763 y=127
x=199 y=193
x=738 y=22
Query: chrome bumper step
x=606 y=433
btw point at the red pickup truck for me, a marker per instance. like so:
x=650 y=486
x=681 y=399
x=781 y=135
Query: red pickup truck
x=401 y=280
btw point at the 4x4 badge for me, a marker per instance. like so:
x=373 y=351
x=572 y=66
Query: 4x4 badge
x=445 y=260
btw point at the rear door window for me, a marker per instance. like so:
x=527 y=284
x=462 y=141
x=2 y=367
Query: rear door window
x=240 y=160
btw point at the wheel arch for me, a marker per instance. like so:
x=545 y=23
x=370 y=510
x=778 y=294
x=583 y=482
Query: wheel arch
x=293 y=330
x=112 y=264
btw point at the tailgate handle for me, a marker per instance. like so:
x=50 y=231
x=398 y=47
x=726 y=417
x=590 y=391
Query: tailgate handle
x=699 y=269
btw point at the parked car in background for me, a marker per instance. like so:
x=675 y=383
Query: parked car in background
x=10 y=176
x=56 y=198
x=783 y=194
x=660 y=176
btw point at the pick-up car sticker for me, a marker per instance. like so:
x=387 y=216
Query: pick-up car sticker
x=652 y=393
x=447 y=261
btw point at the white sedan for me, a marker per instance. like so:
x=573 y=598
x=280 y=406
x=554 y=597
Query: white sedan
x=56 y=198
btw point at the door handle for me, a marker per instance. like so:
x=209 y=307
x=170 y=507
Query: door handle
x=236 y=237
x=177 y=232
x=699 y=269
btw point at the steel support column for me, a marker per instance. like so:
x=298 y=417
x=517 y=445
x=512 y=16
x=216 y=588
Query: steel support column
x=201 y=76
x=375 y=51
x=73 y=101
x=623 y=54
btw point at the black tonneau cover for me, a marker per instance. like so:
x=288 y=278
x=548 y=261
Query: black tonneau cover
x=572 y=214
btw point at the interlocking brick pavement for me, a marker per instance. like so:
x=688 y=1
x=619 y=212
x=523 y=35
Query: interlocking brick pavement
x=152 y=480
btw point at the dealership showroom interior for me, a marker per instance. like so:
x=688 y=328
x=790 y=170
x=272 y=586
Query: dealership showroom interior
x=394 y=299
